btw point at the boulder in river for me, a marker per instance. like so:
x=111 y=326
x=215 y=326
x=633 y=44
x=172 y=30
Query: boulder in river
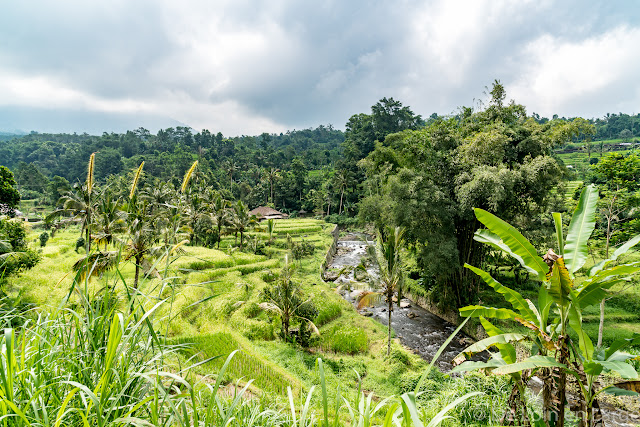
x=356 y=293
x=412 y=315
x=405 y=303
x=331 y=275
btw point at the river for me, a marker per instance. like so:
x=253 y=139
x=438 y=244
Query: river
x=417 y=328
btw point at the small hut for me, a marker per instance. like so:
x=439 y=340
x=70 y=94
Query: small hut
x=265 y=212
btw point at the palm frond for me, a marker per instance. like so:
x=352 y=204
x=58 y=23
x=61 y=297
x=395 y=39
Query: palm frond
x=270 y=307
x=95 y=264
x=369 y=299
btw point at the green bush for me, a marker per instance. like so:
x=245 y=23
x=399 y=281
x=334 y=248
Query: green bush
x=346 y=339
x=13 y=232
x=258 y=330
x=330 y=311
x=251 y=310
x=302 y=249
x=342 y=220
x=44 y=237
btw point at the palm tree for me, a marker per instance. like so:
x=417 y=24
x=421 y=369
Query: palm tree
x=286 y=300
x=142 y=235
x=230 y=167
x=79 y=204
x=109 y=219
x=241 y=220
x=391 y=272
x=342 y=178
x=219 y=215
x=272 y=174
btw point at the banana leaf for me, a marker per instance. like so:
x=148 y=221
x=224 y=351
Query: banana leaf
x=560 y=283
x=515 y=241
x=618 y=252
x=532 y=362
x=490 y=312
x=514 y=298
x=474 y=366
x=582 y=225
x=486 y=343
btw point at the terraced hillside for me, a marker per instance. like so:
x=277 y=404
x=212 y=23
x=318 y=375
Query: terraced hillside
x=212 y=306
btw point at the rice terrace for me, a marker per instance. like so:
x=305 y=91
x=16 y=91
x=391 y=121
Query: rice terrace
x=474 y=266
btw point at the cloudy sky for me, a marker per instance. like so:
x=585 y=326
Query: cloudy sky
x=245 y=67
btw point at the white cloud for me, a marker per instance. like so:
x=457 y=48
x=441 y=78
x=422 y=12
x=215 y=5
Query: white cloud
x=587 y=77
x=242 y=66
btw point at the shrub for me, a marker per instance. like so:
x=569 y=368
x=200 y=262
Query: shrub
x=329 y=311
x=44 y=237
x=342 y=220
x=258 y=330
x=251 y=310
x=347 y=339
x=302 y=249
x=13 y=232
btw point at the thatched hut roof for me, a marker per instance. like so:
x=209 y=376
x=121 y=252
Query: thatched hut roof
x=265 y=212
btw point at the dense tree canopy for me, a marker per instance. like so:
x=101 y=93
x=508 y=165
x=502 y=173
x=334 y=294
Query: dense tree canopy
x=429 y=180
x=9 y=195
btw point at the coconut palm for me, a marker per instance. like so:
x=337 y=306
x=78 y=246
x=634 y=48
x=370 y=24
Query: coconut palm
x=272 y=174
x=219 y=213
x=241 y=221
x=80 y=204
x=109 y=220
x=388 y=247
x=142 y=235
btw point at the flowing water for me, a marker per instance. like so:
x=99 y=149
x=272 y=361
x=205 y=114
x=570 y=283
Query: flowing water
x=418 y=329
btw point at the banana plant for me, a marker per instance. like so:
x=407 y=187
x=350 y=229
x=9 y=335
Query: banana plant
x=560 y=292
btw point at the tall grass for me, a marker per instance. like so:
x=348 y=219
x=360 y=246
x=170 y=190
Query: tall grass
x=98 y=366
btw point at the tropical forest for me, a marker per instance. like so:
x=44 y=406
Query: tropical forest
x=472 y=269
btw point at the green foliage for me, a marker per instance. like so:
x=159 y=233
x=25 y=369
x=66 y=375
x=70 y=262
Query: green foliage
x=9 y=195
x=286 y=300
x=568 y=299
x=13 y=232
x=302 y=249
x=44 y=237
x=328 y=311
x=15 y=256
x=429 y=181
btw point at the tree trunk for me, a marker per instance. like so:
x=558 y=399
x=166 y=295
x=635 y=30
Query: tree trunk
x=558 y=382
x=271 y=186
x=137 y=274
x=87 y=242
x=341 y=195
x=285 y=325
x=389 y=328
x=606 y=256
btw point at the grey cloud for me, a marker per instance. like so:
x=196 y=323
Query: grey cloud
x=321 y=62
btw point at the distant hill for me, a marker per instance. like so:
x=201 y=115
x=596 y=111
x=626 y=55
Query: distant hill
x=23 y=120
x=8 y=136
